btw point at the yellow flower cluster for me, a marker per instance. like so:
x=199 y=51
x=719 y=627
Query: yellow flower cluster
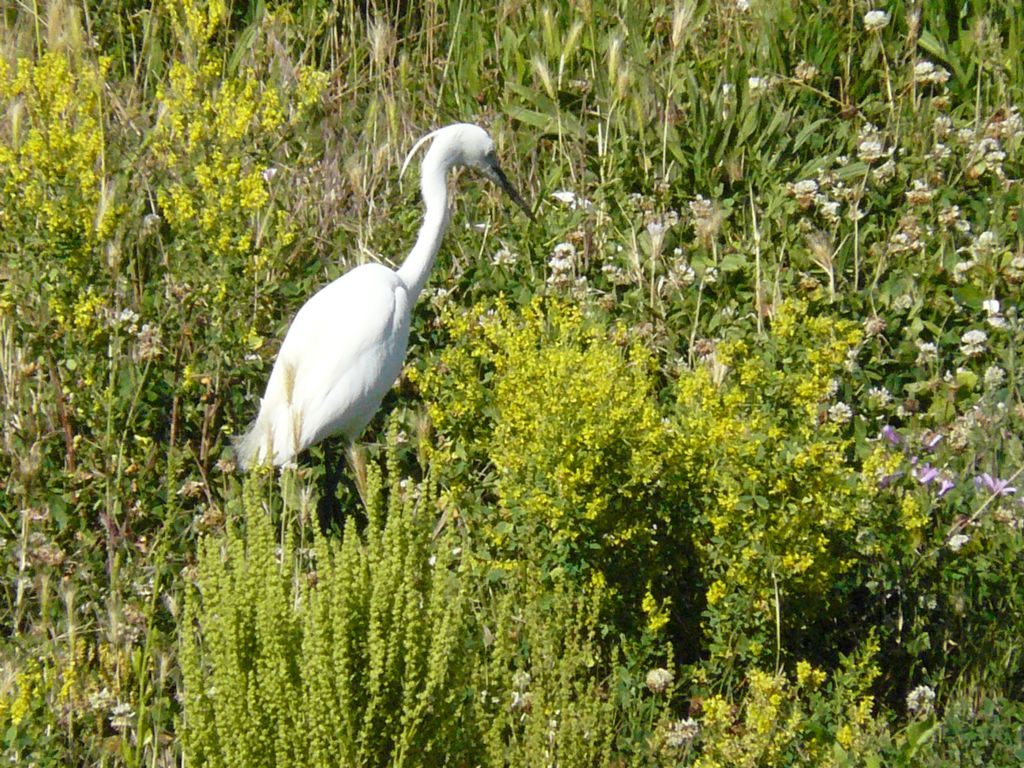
x=51 y=161
x=781 y=723
x=565 y=415
x=774 y=474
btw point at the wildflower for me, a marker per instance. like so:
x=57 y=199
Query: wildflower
x=925 y=474
x=269 y=174
x=889 y=433
x=920 y=700
x=840 y=413
x=927 y=72
x=742 y=5
x=804 y=191
x=805 y=72
x=680 y=733
x=972 y=343
x=503 y=258
x=994 y=485
x=961 y=269
x=994 y=376
x=758 y=85
x=875 y=20
x=127 y=317
x=615 y=274
x=931 y=441
x=659 y=679
x=957 y=541
x=985 y=244
x=903 y=302
x=946 y=485
x=880 y=397
x=920 y=192
x=829 y=209
x=561 y=264
x=572 y=200
x=874 y=326
x=682 y=273
x=871 y=149
x=885 y=173
x=151 y=224
x=995 y=316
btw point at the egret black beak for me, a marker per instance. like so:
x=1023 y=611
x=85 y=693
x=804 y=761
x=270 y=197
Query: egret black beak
x=502 y=181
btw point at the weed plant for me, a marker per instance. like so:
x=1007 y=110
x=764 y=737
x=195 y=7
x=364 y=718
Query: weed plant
x=717 y=464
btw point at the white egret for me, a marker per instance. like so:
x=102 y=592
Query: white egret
x=347 y=344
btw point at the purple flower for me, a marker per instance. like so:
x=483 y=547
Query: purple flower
x=925 y=474
x=945 y=486
x=994 y=485
x=890 y=434
x=931 y=442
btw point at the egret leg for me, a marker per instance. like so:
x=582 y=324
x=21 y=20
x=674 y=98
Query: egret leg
x=341 y=487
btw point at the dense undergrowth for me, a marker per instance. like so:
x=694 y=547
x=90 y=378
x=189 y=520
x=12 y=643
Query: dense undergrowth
x=716 y=464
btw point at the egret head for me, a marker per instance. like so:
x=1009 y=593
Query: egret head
x=465 y=144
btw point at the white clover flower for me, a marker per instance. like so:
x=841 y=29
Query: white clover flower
x=986 y=243
x=503 y=257
x=572 y=200
x=885 y=173
x=659 y=679
x=961 y=269
x=757 y=85
x=940 y=152
x=875 y=20
x=880 y=397
x=682 y=273
x=806 y=72
x=942 y=125
x=681 y=733
x=920 y=192
x=972 y=343
x=927 y=72
x=742 y=5
x=829 y=209
x=870 y=150
x=926 y=352
x=955 y=543
x=804 y=191
x=920 y=700
x=903 y=302
x=840 y=413
x=994 y=376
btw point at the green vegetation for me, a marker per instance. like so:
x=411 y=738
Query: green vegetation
x=717 y=464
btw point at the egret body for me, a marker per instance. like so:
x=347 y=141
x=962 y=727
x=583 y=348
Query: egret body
x=347 y=344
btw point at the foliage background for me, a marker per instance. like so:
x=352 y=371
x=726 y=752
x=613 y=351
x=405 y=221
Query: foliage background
x=720 y=459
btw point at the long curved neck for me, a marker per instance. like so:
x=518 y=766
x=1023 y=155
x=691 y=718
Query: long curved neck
x=417 y=265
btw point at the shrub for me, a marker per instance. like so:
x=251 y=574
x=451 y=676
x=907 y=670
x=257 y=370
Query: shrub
x=776 y=490
x=390 y=646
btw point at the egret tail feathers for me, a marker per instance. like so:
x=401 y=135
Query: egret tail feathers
x=247 y=447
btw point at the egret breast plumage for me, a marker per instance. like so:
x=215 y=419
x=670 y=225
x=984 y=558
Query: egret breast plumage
x=346 y=345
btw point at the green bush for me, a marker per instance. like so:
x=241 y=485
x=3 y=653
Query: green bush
x=391 y=646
